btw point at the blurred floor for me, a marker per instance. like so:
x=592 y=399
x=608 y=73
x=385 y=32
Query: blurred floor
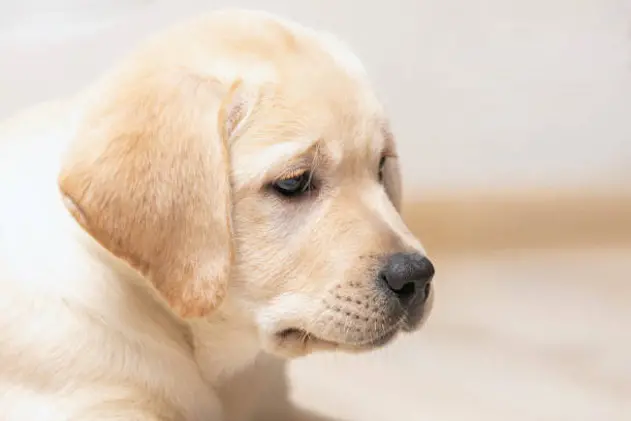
x=514 y=336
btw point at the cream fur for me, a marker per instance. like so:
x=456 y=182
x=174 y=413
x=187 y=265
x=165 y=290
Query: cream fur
x=142 y=262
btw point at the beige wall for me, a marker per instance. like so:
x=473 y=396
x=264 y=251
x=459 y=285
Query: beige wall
x=483 y=94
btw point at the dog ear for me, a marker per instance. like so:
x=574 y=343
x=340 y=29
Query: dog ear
x=148 y=177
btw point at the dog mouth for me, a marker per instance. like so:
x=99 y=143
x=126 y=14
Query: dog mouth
x=296 y=336
x=335 y=335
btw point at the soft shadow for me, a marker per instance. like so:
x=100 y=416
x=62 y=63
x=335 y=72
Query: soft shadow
x=275 y=405
x=299 y=414
x=293 y=413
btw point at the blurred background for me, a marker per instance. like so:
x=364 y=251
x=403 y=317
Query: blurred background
x=513 y=120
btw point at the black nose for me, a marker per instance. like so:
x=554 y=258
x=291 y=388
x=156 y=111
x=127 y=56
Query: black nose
x=408 y=275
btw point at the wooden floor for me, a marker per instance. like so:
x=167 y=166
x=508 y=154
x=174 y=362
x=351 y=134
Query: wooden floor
x=474 y=221
x=515 y=336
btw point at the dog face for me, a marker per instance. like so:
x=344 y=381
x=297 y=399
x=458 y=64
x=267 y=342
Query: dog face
x=246 y=157
x=322 y=254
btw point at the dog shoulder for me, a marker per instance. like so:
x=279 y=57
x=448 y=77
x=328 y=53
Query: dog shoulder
x=70 y=315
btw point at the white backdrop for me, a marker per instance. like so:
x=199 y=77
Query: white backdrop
x=483 y=94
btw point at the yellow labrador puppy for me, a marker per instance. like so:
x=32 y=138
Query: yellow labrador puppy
x=230 y=190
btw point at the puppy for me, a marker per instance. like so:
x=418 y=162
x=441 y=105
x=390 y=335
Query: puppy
x=230 y=190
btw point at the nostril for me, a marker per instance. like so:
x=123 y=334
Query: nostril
x=407 y=291
x=427 y=289
x=403 y=289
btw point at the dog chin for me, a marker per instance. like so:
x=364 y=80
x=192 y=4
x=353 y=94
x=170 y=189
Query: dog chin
x=293 y=343
x=285 y=341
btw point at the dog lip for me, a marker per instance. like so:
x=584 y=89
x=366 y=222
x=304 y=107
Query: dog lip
x=285 y=333
x=297 y=333
x=377 y=342
x=301 y=335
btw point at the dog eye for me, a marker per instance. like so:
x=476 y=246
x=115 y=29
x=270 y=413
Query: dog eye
x=382 y=164
x=294 y=186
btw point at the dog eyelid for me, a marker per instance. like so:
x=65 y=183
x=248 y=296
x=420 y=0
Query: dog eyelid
x=292 y=173
x=382 y=162
x=294 y=185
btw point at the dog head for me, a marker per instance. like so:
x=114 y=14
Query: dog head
x=245 y=157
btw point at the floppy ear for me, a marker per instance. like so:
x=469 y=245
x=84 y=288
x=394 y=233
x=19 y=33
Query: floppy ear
x=148 y=177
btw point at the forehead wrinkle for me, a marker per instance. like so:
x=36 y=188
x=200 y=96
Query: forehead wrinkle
x=260 y=163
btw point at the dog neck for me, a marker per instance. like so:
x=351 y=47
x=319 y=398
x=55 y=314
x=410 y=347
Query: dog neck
x=222 y=344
